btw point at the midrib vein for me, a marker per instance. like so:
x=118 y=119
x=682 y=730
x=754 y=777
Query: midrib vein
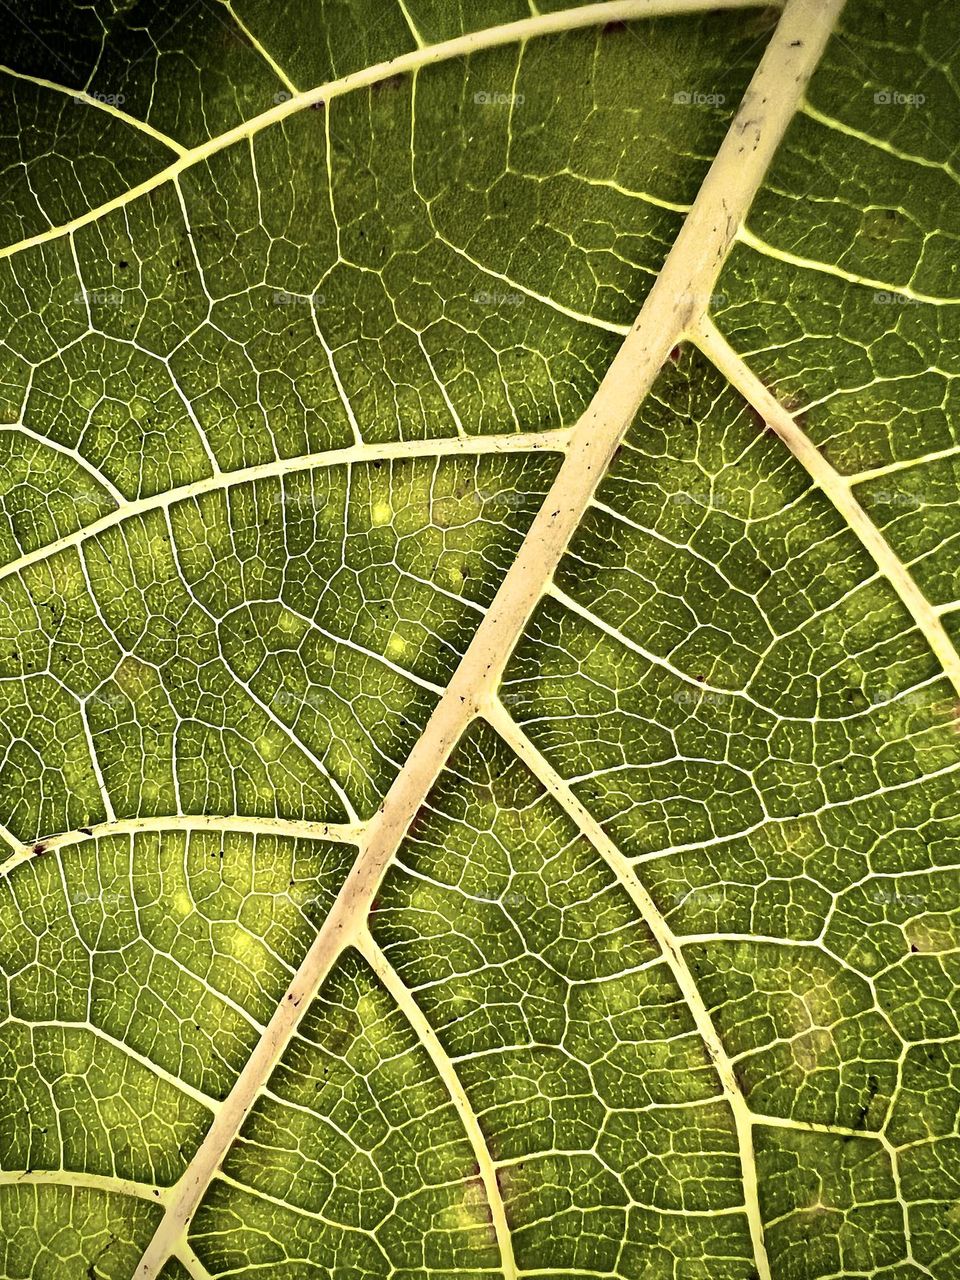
x=674 y=304
x=405 y=1002
x=351 y=455
x=587 y=15
x=837 y=488
x=525 y=751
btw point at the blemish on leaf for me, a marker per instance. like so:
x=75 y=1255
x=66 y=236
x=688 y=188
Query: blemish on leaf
x=390 y=83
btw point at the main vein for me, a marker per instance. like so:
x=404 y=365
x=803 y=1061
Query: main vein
x=674 y=304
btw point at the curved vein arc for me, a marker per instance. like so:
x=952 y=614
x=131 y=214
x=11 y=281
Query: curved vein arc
x=83 y=1182
x=205 y=1100
x=405 y=1002
x=880 y=144
x=524 y=750
x=46 y=442
x=753 y=241
x=563 y=20
x=102 y=104
x=260 y=48
x=837 y=488
x=389 y=451
x=671 y=307
x=295 y=828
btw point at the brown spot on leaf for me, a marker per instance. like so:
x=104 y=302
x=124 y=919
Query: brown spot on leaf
x=390 y=83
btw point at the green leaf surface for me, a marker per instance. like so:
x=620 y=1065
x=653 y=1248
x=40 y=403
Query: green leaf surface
x=478 y=603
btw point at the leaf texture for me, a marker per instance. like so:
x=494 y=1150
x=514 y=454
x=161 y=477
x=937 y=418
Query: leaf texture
x=478 y=669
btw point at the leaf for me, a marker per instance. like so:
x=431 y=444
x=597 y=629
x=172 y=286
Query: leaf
x=478 y=644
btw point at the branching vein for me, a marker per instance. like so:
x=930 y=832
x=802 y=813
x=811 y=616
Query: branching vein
x=674 y=304
x=838 y=489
